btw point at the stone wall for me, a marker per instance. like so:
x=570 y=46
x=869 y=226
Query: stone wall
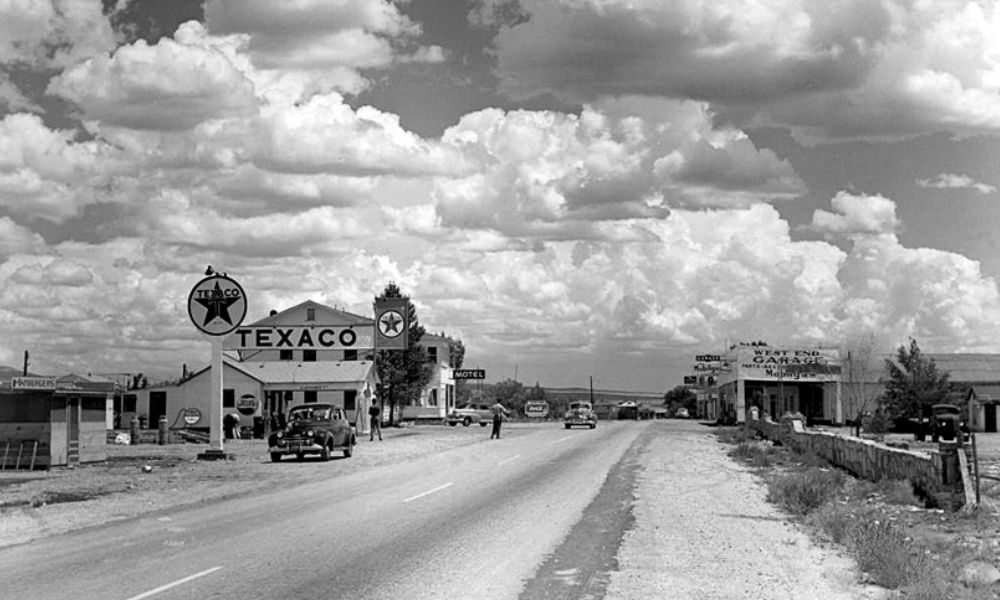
x=928 y=471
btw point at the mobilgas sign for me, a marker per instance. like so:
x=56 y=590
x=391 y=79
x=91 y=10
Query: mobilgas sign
x=300 y=338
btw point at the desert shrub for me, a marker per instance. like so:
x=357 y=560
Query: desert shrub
x=802 y=492
x=837 y=520
x=898 y=491
x=875 y=423
x=880 y=550
x=755 y=453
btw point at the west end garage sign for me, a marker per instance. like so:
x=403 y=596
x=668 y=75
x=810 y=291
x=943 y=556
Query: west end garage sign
x=762 y=363
x=300 y=338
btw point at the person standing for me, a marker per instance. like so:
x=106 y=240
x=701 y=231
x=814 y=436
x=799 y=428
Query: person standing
x=499 y=414
x=375 y=413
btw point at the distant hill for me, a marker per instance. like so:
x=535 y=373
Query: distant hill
x=607 y=396
x=8 y=372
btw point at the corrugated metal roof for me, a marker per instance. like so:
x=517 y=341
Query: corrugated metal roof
x=306 y=372
x=969 y=368
x=987 y=393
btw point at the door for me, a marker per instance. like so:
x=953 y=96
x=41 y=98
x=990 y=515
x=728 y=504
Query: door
x=73 y=431
x=157 y=408
x=990 y=426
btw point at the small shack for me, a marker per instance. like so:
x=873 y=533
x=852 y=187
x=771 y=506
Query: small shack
x=47 y=424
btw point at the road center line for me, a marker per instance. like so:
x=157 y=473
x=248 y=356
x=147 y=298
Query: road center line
x=507 y=460
x=166 y=587
x=429 y=492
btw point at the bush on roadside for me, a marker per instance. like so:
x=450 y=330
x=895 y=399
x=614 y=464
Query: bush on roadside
x=802 y=492
x=837 y=520
x=754 y=453
x=881 y=551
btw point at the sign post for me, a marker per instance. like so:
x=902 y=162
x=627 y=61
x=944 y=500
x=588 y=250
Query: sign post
x=217 y=305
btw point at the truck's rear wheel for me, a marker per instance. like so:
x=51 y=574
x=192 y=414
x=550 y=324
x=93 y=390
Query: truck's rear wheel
x=466 y=421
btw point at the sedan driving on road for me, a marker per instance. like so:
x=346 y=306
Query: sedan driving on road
x=580 y=414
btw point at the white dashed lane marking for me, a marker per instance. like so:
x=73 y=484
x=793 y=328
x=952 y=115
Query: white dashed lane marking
x=429 y=492
x=174 y=584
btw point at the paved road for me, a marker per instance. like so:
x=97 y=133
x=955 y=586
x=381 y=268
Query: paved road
x=474 y=522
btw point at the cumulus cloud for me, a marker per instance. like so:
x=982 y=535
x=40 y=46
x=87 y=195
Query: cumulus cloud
x=325 y=135
x=315 y=46
x=955 y=181
x=45 y=173
x=52 y=33
x=547 y=173
x=846 y=69
x=857 y=215
x=16 y=239
x=170 y=85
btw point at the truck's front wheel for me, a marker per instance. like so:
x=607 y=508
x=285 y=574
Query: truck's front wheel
x=466 y=422
x=275 y=456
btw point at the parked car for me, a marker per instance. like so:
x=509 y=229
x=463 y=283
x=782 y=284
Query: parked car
x=580 y=413
x=681 y=413
x=945 y=423
x=469 y=414
x=313 y=429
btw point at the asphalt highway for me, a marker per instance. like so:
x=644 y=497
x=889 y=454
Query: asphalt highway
x=478 y=521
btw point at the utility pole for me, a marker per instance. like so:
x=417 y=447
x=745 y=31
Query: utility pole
x=25 y=373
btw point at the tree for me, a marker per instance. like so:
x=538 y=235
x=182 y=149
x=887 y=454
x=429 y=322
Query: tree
x=856 y=371
x=512 y=394
x=404 y=373
x=456 y=353
x=681 y=396
x=914 y=385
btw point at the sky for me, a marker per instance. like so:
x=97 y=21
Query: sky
x=573 y=188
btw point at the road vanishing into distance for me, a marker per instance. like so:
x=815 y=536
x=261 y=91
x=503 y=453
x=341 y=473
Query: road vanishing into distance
x=538 y=515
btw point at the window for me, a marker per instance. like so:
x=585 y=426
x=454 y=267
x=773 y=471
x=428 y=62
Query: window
x=310 y=314
x=350 y=399
x=432 y=354
x=129 y=403
x=350 y=355
x=284 y=355
x=432 y=398
x=228 y=398
x=308 y=356
x=310 y=396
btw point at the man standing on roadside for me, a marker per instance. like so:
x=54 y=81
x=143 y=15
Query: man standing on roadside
x=376 y=418
x=499 y=414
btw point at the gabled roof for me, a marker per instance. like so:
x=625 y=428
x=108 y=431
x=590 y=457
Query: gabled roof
x=986 y=393
x=306 y=372
x=324 y=315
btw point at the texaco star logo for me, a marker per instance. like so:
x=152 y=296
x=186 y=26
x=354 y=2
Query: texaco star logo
x=390 y=323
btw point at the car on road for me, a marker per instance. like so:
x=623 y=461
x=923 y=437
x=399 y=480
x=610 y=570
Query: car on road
x=580 y=414
x=469 y=414
x=313 y=429
x=681 y=413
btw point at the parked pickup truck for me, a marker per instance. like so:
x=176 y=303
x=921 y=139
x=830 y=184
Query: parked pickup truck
x=469 y=414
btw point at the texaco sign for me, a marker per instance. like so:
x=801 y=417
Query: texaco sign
x=217 y=305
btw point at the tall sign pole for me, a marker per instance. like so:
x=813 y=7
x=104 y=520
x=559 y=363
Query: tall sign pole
x=217 y=305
